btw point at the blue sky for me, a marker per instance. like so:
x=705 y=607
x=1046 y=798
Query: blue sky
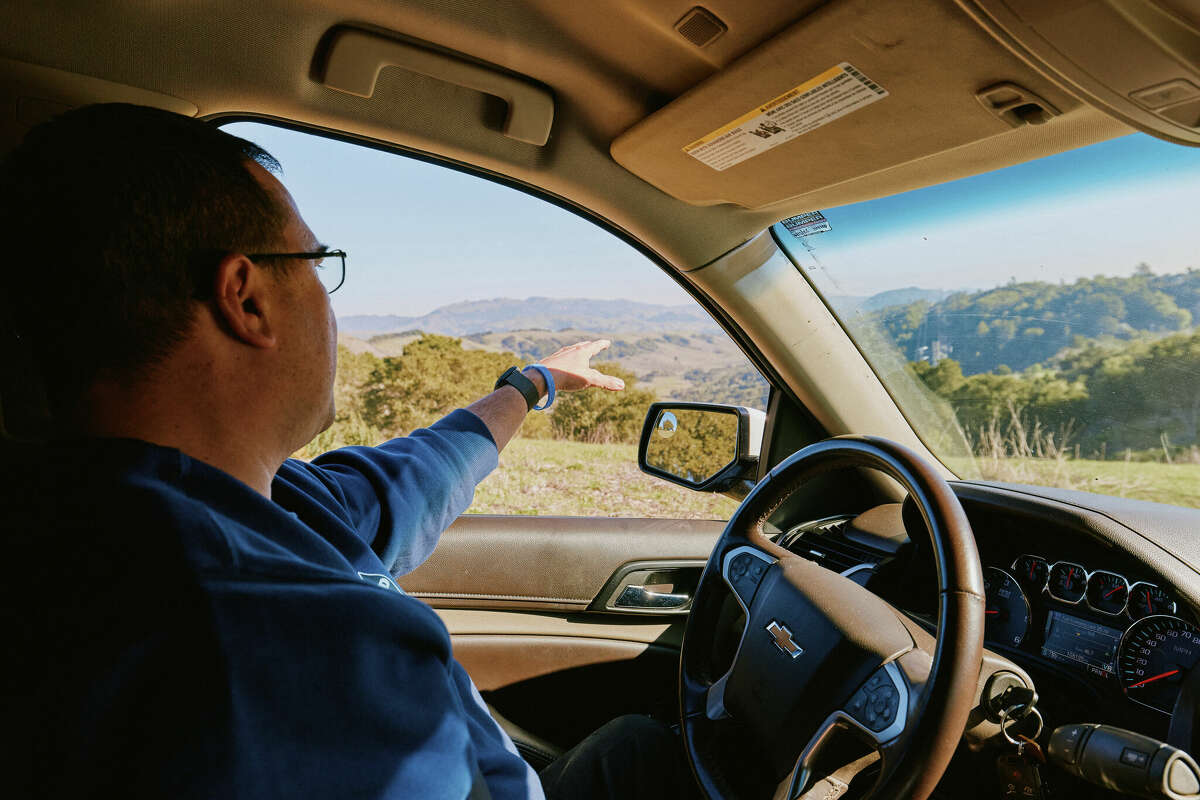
x=421 y=236
x=1098 y=210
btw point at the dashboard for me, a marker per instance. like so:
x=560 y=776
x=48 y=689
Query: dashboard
x=1117 y=631
x=1100 y=614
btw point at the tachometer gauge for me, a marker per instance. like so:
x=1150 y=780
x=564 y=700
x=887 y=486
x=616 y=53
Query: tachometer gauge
x=1007 y=611
x=1067 y=582
x=1107 y=592
x=1031 y=571
x=1146 y=599
x=1156 y=653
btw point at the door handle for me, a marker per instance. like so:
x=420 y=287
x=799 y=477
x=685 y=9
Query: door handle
x=651 y=587
x=641 y=597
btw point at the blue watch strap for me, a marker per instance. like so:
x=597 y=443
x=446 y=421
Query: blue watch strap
x=549 y=386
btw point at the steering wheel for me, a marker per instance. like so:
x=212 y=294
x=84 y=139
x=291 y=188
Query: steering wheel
x=822 y=662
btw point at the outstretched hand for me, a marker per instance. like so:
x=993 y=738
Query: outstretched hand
x=572 y=371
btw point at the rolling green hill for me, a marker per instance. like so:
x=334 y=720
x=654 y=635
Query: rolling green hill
x=703 y=366
x=1022 y=324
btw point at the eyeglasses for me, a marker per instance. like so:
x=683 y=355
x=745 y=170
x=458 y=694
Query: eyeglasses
x=332 y=273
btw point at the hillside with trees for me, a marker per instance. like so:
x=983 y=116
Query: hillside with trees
x=1101 y=368
x=380 y=398
x=1136 y=399
x=685 y=365
x=1022 y=324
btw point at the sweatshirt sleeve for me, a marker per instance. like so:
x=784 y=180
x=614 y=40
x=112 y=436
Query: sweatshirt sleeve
x=401 y=495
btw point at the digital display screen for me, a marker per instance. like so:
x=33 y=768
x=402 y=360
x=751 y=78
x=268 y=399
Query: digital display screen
x=1072 y=640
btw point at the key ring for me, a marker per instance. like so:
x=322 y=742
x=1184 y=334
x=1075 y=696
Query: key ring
x=1008 y=736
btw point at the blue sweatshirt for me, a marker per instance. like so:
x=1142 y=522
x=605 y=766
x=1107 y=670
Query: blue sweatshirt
x=177 y=634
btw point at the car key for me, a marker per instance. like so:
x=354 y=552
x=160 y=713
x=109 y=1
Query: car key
x=1031 y=748
x=1020 y=777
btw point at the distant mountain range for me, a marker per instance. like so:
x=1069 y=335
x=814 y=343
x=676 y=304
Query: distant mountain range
x=678 y=351
x=545 y=313
x=556 y=314
x=893 y=297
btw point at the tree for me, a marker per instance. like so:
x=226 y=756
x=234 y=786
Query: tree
x=432 y=377
x=597 y=415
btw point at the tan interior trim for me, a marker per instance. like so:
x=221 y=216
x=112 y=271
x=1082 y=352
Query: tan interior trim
x=565 y=563
x=608 y=63
x=494 y=662
x=930 y=58
x=32 y=93
x=642 y=630
x=796 y=331
x=355 y=59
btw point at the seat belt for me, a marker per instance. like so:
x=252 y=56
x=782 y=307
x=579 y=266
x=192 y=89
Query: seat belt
x=479 y=787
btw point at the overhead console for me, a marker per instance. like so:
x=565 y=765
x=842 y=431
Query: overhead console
x=862 y=98
x=1139 y=60
x=854 y=88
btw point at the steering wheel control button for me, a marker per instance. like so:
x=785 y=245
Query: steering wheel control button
x=744 y=571
x=876 y=703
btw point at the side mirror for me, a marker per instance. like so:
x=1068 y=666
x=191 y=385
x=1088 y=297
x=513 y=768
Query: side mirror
x=704 y=446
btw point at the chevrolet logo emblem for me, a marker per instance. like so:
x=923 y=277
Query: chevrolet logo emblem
x=783 y=639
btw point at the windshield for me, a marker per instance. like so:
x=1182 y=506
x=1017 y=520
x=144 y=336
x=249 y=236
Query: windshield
x=1036 y=324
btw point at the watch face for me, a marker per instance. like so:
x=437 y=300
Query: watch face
x=513 y=377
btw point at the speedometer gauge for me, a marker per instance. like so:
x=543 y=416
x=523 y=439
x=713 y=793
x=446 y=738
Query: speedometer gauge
x=1156 y=654
x=1007 y=610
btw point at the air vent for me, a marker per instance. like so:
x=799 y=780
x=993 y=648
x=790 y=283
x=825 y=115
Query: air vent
x=824 y=542
x=700 y=27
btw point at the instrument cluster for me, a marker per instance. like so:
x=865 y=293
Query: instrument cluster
x=1100 y=590
x=1094 y=620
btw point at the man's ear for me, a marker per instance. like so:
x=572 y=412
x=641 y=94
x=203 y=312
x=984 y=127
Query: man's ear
x=243 y=297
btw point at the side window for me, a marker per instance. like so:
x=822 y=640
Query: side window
x=451 y=279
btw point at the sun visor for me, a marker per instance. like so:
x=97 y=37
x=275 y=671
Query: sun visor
x=857 y=87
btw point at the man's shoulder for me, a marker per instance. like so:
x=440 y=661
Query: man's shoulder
x=127 y=510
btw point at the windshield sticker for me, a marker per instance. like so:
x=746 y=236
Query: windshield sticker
x=834 y=93
x=803 y=225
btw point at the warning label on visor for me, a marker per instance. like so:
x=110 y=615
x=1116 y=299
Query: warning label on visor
x=834 y=93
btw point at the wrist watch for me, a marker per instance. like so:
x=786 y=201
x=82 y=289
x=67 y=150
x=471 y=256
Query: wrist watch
x=513 y=377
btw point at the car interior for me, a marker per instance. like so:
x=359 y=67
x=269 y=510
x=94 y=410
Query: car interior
x=868 y=622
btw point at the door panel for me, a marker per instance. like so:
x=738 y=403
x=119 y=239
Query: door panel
x=501 y=648
x=518 y=596
x=547 y=563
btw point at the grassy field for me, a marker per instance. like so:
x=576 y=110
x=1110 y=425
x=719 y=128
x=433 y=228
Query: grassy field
x=1177 y=484
x=578 y=479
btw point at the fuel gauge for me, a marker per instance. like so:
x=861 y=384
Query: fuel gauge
x=1146 y=599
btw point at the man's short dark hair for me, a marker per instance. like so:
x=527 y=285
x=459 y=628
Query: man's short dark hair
x=121 y=214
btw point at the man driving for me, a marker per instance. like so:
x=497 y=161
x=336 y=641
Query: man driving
x=192 y=612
